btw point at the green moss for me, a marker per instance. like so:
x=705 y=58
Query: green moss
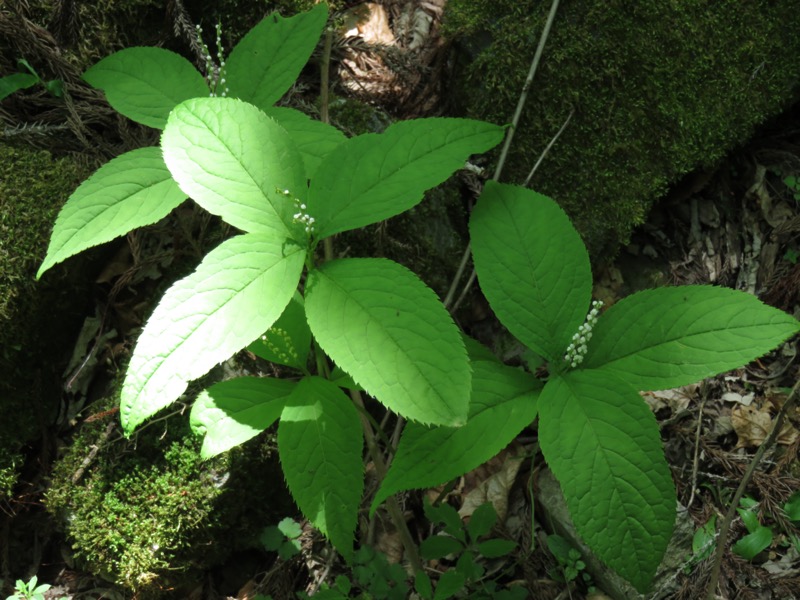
x=150 y=515
x=658 y=89
x=33 y=186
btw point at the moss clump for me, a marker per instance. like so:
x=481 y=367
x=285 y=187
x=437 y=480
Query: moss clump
x=150 y=515
x=658 y=89
x=33 y=187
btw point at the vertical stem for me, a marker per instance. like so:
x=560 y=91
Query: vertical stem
x=509 y=136
x=391 y=502
x=524 y=94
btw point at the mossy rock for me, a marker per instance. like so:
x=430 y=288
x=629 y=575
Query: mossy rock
x=36 y=319
x=658 y=88
x=150 y=515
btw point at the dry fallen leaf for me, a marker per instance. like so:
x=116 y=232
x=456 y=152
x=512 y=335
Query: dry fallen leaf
x=752 y=426
x=492 y=481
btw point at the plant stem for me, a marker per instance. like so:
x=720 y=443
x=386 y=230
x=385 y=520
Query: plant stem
x=324 y=101
x=547 y=149
x=507 y=144
x=524 y=94
x=726 y=522
x=391 y=502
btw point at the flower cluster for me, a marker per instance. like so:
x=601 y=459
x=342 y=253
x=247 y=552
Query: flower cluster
x=578 y=348
x=215 y=75
x=301 y=216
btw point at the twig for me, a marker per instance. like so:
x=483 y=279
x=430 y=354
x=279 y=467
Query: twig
x=726 y=522
x=507 y=145
x=547 y=148
x=696 y=459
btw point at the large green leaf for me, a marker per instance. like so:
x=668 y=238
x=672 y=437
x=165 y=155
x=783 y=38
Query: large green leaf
x=231 y=412
x=314 y=139
x=288 y=341
x=603 y=445
x=133 y=190
x=320 y=445
x=235 y=162
x=503 y=402
x=389 y=331
x=236 y=294
x=269 y=58
x=532 y=266
x=376 y=176
x=668 y=337
x=145 y=84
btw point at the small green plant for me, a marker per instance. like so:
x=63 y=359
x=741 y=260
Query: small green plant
x=793 y=183
x=702 y=544
x=29 y=591
x=20 y=81
x=464 y=546
x=758 y=538
x=373 y=577
x=289 y=184
x=282 y=538
x=570 y=564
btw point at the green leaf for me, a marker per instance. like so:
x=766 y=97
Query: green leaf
x=477 y=351
x=15 y=82
x=502 y=403
x=447 y=516
x=55 y=87
x=288 y=341
x=749 y=518
x=703 y=539
x=267 y=61
x=439 y=546
x=344 y=380
x=236 y=294
x=132 y=190
x=388 y=330
x=376 y=176
x=314 y=139
x=603 y=445
x=320 y=443
x=271 y=538
x=235 y=162
x=753 y=543
x=792 y=507
x=145 y=84
x=290 y=528
x=231 y=412
x=496 y=548
x=422 y=584
x=669 y=337
x=532 y=266
x=482 y=520
x=449 y=584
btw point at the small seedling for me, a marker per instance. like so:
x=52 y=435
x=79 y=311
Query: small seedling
x=283 y=538
x=759 y=537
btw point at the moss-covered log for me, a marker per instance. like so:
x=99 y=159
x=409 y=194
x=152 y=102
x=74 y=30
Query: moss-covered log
x=658 y=88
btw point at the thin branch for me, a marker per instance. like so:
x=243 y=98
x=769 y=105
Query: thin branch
x=547 y=148
x=524 y=95
x=722 y=540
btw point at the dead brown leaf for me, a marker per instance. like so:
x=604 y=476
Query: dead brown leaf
x=752 y=426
